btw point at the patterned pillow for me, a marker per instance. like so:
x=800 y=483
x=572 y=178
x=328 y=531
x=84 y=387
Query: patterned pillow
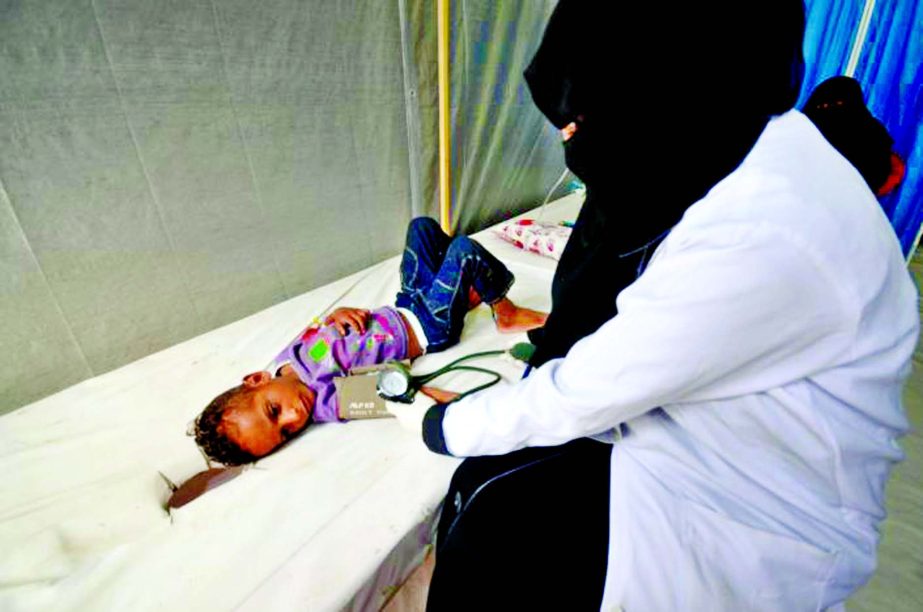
x=546 y=239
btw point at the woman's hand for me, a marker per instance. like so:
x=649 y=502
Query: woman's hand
x=410 y=416
x=343 y=318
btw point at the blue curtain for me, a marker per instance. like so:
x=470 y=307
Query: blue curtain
x=889 y=71
x=828 y=38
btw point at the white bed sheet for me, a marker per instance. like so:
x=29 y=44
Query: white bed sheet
x=335 y=520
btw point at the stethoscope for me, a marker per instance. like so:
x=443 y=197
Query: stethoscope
x=397 y=384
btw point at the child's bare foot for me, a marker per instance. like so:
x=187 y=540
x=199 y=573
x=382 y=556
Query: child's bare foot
x=511 y=318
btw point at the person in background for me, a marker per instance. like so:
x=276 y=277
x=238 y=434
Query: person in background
x=837 y=107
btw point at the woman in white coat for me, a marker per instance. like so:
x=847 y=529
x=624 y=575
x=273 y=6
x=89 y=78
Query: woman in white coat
x=749 y=381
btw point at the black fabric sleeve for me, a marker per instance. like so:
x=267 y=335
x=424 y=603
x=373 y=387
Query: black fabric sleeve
x=432 y=429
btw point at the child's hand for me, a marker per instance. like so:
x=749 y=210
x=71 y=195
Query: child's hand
x=343 y=318
x=440 y=395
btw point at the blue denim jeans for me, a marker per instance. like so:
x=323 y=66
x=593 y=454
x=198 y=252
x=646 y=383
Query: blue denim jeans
x=437 y=272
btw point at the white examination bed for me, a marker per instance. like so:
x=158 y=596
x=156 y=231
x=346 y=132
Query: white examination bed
x=335 y=520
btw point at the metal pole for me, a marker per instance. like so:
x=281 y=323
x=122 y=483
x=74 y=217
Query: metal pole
x=445 y=149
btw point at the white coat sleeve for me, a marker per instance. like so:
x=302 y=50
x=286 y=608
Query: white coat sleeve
x=736 y=310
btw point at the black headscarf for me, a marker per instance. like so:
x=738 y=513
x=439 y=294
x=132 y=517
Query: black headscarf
x=668 y=99
x=837 y=108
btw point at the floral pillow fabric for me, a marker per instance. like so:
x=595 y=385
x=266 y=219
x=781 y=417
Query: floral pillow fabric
x=546 y=239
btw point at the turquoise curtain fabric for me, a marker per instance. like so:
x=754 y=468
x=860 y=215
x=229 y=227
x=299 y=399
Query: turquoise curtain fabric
x=828 y=39
x=891 y=73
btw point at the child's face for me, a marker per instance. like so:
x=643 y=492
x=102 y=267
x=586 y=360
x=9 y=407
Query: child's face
x=270 y=411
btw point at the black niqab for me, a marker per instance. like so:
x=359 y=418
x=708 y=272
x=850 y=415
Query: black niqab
x=668 y=101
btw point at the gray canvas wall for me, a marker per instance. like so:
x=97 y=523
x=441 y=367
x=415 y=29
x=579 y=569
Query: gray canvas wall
x=505 y=155
x=167 y=167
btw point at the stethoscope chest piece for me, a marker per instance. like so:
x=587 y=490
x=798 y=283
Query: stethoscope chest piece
x=395 y=383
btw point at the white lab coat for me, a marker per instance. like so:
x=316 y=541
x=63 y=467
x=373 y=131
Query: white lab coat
x=752 y=379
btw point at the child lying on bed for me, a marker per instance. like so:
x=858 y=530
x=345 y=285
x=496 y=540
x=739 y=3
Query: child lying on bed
x=441 y=279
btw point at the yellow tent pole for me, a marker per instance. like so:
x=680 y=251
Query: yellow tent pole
x=445 y=149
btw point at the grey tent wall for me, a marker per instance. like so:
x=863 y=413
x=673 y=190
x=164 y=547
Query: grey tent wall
x=167 y=167
x=505 y=155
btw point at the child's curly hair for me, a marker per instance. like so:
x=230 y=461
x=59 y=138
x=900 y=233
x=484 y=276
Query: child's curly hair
x=209 y=434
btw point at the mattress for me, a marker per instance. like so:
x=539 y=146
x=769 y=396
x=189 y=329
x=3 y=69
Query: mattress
x=335 y=520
